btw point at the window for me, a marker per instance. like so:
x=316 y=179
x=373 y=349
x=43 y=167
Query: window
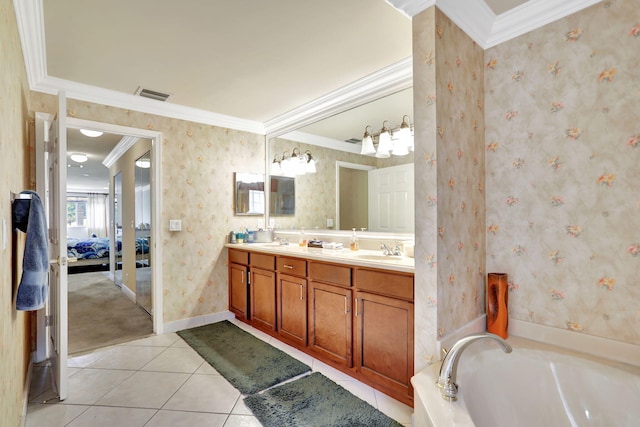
x=77 y=212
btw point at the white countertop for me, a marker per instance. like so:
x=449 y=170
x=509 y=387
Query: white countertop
x=360 y=258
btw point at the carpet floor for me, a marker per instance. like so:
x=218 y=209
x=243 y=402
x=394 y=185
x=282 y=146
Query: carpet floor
x=100 y=315
x=247 y=362
x=314 y=401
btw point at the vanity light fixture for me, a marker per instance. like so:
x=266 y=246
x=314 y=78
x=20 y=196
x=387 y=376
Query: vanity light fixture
x=384 y=142
x=91 y=133
x=293 y=164
x=367 y=142
x=397 y=141
x=79 y=157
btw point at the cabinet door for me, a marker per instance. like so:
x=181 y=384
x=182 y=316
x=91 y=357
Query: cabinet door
x=292 y=308
x=263 y=299
x=330 y=322
x=238 y=290
x=384 y=341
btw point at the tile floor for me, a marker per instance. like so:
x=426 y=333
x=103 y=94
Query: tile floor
x=160 y=381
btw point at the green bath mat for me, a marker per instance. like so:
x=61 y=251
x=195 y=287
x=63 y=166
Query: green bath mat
x=314 y=401
x=248 y=363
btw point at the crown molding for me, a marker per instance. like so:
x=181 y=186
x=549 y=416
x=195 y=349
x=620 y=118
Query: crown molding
x=322 y=141
x=530 y=16
x=486 y=28
x=120 y=149
x=30 y=18
x=389 y=80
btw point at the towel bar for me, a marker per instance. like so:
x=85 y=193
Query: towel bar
x=15 y=196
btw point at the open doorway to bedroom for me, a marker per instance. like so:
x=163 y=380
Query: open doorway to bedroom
x=102 y=308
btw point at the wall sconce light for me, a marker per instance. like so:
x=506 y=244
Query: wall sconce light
x=293 y=164
x=79 y=157
x=398 y=141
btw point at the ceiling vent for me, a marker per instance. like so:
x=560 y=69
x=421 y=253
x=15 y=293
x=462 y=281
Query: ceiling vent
x=353 y=141
x=152 y=94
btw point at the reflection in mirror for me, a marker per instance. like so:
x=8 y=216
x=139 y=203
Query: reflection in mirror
x=338 y=141
x=116 y=261
x=282 y=198
x=143 y=230
x=249 y=189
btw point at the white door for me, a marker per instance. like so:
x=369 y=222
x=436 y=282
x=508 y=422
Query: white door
x=391 y=199
x=57 y=208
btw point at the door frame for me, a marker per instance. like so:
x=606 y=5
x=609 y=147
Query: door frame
x=43 y=347
x=346 y=165
x=156 y=195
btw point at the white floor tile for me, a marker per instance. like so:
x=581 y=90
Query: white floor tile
x=145 y=390
x=204 y=393
x=206 y=369
x=329 y=372
x=175 y=359
x=242 y=421
x=101 y=416
x=240 y=408
x=164 y=340
x=44 y=414
x=127 y=357
x=86 y=359
x=179 y=418
x=394 y=409
x=88 y=386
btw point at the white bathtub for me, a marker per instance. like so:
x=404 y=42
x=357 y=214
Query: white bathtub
x=534 y=385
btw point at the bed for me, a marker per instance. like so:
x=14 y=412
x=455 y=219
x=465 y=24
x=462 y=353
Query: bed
x=95 y=250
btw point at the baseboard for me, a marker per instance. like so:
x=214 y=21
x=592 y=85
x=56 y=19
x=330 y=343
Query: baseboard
x=193 y=322
x=25 y=397
x=128 y=293
x=596 y=346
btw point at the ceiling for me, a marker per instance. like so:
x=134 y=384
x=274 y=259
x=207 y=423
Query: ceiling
x=246 y=64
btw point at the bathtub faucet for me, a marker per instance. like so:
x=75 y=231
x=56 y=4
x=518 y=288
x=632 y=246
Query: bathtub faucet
x=447 y=377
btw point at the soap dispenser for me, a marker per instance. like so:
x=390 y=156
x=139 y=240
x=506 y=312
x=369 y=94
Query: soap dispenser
x=302 y=241
x=354 y=244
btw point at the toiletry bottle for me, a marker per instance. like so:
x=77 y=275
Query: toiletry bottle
x=354 y=244
x=302 y=241
x=232 y=237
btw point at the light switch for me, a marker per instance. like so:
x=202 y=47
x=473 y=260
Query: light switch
x=175 y=225
x=329 y=222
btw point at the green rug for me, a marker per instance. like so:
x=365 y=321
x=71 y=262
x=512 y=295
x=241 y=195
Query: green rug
x=314 y=401
x=248 y=363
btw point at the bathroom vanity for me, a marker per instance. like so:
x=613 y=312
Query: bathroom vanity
x=350 y=309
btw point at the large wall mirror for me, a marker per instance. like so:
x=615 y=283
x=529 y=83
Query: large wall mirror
x=348 y=189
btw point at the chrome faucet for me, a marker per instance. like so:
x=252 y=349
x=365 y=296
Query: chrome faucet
x=447 y=377
x=387 y=251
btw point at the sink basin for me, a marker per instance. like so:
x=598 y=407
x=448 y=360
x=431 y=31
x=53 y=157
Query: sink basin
x=376 y=257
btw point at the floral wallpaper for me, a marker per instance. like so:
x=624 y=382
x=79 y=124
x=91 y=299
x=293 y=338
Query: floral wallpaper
x=562 y=153
x=426 y=191
x=461 y=257
x=15 y=173
x=198 y=162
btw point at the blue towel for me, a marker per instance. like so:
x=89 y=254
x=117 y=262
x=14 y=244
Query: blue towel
x=29 y=217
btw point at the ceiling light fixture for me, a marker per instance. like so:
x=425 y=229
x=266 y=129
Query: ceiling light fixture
x=367 y=142
x=143 y=163
x=79 y=157
x=91 y=133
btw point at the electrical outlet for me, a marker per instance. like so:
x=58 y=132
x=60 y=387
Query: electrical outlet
x=329 y=222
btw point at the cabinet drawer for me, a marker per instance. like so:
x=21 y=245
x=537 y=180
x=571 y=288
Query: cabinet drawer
x=384 y=283
x=293 y=266
x=330 y=273
x=263 y=261
x=238 y=257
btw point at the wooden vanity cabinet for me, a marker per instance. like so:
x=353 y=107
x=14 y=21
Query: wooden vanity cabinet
x=262 y=284
x=238 y=283
x=384 y=334
x=292 y=300
x=330 y=312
